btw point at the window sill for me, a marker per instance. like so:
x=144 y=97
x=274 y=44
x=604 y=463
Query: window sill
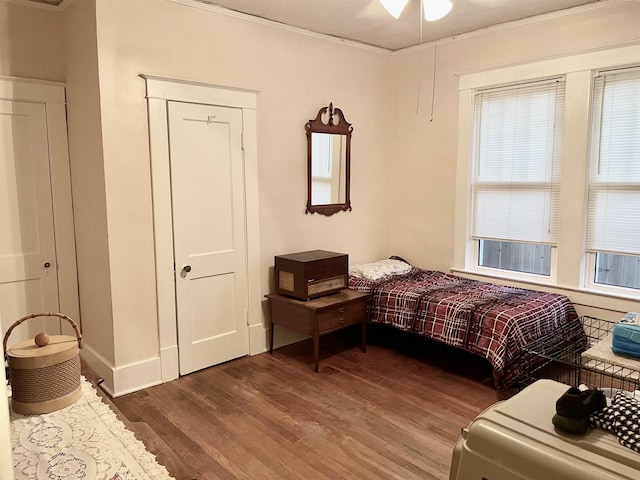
x=547 y=285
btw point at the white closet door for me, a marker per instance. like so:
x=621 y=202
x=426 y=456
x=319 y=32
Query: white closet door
x=28 y=279
x=207 y=183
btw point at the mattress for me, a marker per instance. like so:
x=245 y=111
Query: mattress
x=516 y=439
x=492 y=321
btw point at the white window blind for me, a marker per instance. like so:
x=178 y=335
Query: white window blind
x=613 y=224
x=518 y=135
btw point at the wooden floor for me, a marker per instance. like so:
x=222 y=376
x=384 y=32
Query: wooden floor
x=394 y=412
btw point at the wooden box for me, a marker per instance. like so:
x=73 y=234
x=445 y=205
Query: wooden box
x=311 y=274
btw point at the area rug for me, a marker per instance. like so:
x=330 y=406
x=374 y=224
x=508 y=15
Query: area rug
x=84 y=441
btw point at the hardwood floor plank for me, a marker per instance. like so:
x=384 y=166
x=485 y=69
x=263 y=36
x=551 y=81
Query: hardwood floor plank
x=385 y=414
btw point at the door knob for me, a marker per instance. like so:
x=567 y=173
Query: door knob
x=47 y=264
x=186 y=269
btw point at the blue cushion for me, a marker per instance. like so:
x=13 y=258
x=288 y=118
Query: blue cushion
x=626 y=339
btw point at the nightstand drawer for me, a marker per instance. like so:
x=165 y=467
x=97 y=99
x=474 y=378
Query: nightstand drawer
x=341 y=316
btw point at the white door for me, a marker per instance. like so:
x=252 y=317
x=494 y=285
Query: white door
x=28 y=279
x=207 y=184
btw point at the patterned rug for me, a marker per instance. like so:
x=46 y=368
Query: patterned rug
x=84 y=441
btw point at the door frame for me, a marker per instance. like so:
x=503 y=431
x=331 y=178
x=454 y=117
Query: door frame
x=159 y=91
x=52 y=95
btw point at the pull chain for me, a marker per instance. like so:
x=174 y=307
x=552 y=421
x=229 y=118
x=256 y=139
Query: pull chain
x=420 y=68
x=433 y=88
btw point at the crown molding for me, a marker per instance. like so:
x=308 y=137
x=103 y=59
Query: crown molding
x=283 y=26
x=596 y=5
x=43 y=6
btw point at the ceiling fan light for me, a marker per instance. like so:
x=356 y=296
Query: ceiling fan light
x=436 y=9
x=394 y=7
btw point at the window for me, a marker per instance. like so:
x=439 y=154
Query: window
x=613 y=223
x=516 y=182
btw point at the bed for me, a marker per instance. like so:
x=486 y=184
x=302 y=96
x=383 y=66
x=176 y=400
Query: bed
x=492 y=321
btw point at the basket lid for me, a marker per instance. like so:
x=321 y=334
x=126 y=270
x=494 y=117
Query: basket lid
x=28 y=355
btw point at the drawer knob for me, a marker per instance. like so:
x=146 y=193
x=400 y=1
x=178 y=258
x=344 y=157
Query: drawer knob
x=341 y=309
x=342 y=320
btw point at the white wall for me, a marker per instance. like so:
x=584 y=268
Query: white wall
x=295 y=75
x=88 y=183
x=31 y=42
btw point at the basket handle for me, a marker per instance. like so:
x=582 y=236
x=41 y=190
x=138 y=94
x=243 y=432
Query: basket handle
x=34 y=315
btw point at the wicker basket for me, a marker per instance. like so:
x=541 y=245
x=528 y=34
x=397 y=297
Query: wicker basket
x=44 y=378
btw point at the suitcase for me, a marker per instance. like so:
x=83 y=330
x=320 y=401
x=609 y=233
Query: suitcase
x=515 y=439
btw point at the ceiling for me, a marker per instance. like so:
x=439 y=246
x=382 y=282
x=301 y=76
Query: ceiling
x=366 y=21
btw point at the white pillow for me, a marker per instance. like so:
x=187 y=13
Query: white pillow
x=380 y=269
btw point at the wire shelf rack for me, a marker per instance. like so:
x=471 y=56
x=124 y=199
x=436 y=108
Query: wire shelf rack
x=570 y=360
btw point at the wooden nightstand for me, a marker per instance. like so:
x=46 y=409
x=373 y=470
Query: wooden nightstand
x=319 y=316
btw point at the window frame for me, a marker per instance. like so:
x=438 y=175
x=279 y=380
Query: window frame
x=526 y=277
x=571 y=264
x=596 y=122
x=508 y=94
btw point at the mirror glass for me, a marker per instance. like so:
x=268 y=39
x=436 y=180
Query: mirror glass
x=329 y=149
x=328 y=165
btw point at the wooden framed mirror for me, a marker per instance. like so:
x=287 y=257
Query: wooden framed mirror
x=328 y=162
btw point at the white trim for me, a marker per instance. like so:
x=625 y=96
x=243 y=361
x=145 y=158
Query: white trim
x=515 y=275
x=63 y=219
x=169 y=362
x=100 y=365
x=136 y=376
x=29 y=3
x=543 y=17
x=257 y=335
x=167 y=88
x=462 y=220
x=590 y=284
x=160 y=90
x=257 y=338
x=582 y=298
x=550 y=67
x=163 y=235
x=126 y=379
x=31 y=90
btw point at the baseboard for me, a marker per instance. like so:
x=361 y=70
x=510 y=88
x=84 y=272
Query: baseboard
x=136 y=376
x=169 y=363
x=257 y=339
x=100 y=365
x=126 y=379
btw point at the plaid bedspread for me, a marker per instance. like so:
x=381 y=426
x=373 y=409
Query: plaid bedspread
x=492 y=321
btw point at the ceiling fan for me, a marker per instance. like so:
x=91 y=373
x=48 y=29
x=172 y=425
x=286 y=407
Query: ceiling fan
x=432 y=9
